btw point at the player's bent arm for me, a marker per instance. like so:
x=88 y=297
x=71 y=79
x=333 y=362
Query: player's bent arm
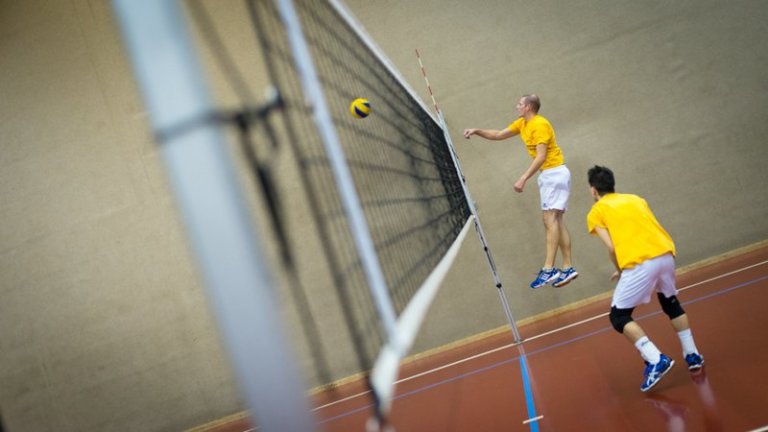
x=538 y=161
x=605 y=236
x=490 y=134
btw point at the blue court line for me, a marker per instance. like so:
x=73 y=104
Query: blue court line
x=541 y=350
x=530 y=406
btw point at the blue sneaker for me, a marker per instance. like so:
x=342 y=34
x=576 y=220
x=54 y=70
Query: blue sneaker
x=545 y=276
x=566 y=276
x=695 y=361
x=655 y=372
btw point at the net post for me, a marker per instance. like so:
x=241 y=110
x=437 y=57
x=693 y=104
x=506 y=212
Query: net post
x=473 y=210
x=238 y=283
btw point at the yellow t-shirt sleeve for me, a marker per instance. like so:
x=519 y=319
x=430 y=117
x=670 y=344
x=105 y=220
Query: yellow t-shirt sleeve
x=594 y=220
x=515 y=126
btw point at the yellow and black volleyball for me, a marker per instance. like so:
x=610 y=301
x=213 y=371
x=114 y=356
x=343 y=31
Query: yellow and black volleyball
x=360 y=108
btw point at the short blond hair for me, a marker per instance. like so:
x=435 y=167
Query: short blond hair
x=533 y=101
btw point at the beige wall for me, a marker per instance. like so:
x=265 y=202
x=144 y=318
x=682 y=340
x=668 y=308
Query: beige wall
x=103 y=323
x=672 y=96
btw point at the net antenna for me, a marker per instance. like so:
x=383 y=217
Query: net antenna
x=472 y=207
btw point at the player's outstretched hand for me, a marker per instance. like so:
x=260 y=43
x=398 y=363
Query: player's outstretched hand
x=469 y=132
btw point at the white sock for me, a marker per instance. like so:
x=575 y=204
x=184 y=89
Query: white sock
x=648 y=350
x=686 y=340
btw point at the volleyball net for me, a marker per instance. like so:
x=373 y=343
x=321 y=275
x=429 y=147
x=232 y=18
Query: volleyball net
x=386 y=194
x=365 y=215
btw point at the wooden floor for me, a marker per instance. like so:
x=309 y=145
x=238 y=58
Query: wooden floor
x=574 y=372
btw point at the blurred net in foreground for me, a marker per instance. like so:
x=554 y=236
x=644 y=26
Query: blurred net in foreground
x=393 y=171
x=406 y=184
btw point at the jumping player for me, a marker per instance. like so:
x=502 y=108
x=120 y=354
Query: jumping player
x=554 y=184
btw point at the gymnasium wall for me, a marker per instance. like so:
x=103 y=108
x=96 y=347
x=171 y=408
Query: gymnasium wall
x=103 y=321
x=671 y=96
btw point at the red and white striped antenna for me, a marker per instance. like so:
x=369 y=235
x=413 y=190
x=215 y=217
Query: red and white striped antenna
x=472 y=207
x=429 y=88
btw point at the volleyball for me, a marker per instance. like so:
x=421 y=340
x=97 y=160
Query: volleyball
x=360 y=108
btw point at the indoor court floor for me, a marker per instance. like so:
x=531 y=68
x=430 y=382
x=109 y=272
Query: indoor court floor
x=573 y=372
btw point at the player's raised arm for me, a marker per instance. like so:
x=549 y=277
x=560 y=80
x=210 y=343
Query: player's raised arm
x=490 y=134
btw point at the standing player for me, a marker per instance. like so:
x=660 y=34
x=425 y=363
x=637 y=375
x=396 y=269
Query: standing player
x=644 y=256
x=554 y=184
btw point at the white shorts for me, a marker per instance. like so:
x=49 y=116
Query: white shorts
x=638 y=283
x=555 y=188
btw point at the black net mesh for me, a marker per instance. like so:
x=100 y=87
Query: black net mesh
x=403 y=173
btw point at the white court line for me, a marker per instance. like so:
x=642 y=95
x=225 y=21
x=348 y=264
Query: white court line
x=724 y=275
x=531 y=420
x=464 y=360
x=762 y=429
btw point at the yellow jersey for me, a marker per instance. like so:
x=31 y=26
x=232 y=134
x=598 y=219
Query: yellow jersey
x=538 y=131
x=636 y=234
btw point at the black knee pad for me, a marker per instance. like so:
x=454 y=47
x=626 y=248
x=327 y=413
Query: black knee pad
x=620 y=318
x=671 y=306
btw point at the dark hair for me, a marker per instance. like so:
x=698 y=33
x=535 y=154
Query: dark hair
x=601 y=178
x=533 y=101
